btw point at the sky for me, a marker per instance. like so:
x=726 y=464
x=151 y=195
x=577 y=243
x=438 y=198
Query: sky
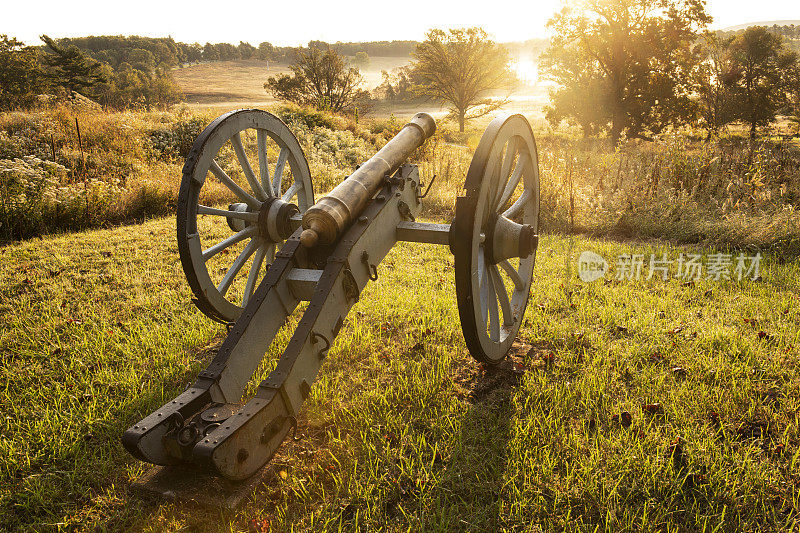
x=295 y=22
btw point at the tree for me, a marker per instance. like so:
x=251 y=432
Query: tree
x=71 y=68
x=265 y=50
x=227 y=52
x=361 y=59
x=396 y=86
x=210 y=53
x=462 y=68
x=635 y=54
x=712 y=83
x=765 y=74
x=21 y=73
x=131 y=88
x=582 y=104
x=246 y=50
x=320 y=79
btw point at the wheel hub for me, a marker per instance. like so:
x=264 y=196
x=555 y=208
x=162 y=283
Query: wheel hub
x=508 y=239
x=274 y=219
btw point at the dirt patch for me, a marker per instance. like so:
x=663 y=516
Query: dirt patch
x=479 y=383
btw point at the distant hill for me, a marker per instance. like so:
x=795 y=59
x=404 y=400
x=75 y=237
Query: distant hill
x=767 y=23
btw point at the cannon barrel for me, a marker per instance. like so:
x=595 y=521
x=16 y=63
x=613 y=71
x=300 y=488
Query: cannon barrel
x=326 y=220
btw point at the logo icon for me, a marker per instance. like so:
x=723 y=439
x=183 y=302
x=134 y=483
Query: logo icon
x=591 y=267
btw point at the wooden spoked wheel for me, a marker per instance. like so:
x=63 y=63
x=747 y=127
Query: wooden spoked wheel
x=494 y=237
x=231 y=219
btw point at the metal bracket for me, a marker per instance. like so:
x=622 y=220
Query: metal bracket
x=405 y=211
x=421 y=196
x=371 y=269
x=349 y=285
x=323 y=353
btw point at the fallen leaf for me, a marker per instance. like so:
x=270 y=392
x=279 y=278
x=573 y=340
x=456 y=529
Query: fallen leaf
x=283 y=474
x=624 y=419
x=653 y=409
x=675 y=452
x=657 y=358
x=763 y=335
x=258 y=525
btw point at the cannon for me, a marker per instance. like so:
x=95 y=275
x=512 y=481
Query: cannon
x=324 y=253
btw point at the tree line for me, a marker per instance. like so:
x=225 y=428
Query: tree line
x=635 y=68
x=122 y=77
x=131 y=71
x=625 y=68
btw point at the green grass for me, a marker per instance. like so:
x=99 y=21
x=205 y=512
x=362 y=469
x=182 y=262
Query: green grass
x=402 y=430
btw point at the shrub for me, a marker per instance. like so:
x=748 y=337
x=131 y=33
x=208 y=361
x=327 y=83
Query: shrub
x=173 y=142
x=308 y=117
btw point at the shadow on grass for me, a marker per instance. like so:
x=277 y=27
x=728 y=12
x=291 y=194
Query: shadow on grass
x=470 y=496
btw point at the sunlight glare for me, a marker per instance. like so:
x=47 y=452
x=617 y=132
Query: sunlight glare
x=527 y=70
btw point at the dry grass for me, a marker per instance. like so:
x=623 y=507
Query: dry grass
x=227 y=82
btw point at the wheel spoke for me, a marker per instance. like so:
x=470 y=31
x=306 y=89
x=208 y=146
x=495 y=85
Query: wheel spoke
x=237 y=265
x=238 y=148
x=505 y=169
x=513 y=274
x=247 y=216
x=484 y=293
x=263 y=165
x=252 y=277
x=494 y=313
x=291 y=191
x=514 y=210
x=502 y=296
x=278 y=177
x=233 y=239
x=513 y=182
x=229 y=183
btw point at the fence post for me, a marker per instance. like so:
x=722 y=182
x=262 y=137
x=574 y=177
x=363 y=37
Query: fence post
x=83 y=171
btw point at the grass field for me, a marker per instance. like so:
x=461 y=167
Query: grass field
x=220 y=86
x=630 y=405
x=219 y=82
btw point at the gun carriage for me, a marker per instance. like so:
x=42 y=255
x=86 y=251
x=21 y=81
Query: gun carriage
x=325 y=253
